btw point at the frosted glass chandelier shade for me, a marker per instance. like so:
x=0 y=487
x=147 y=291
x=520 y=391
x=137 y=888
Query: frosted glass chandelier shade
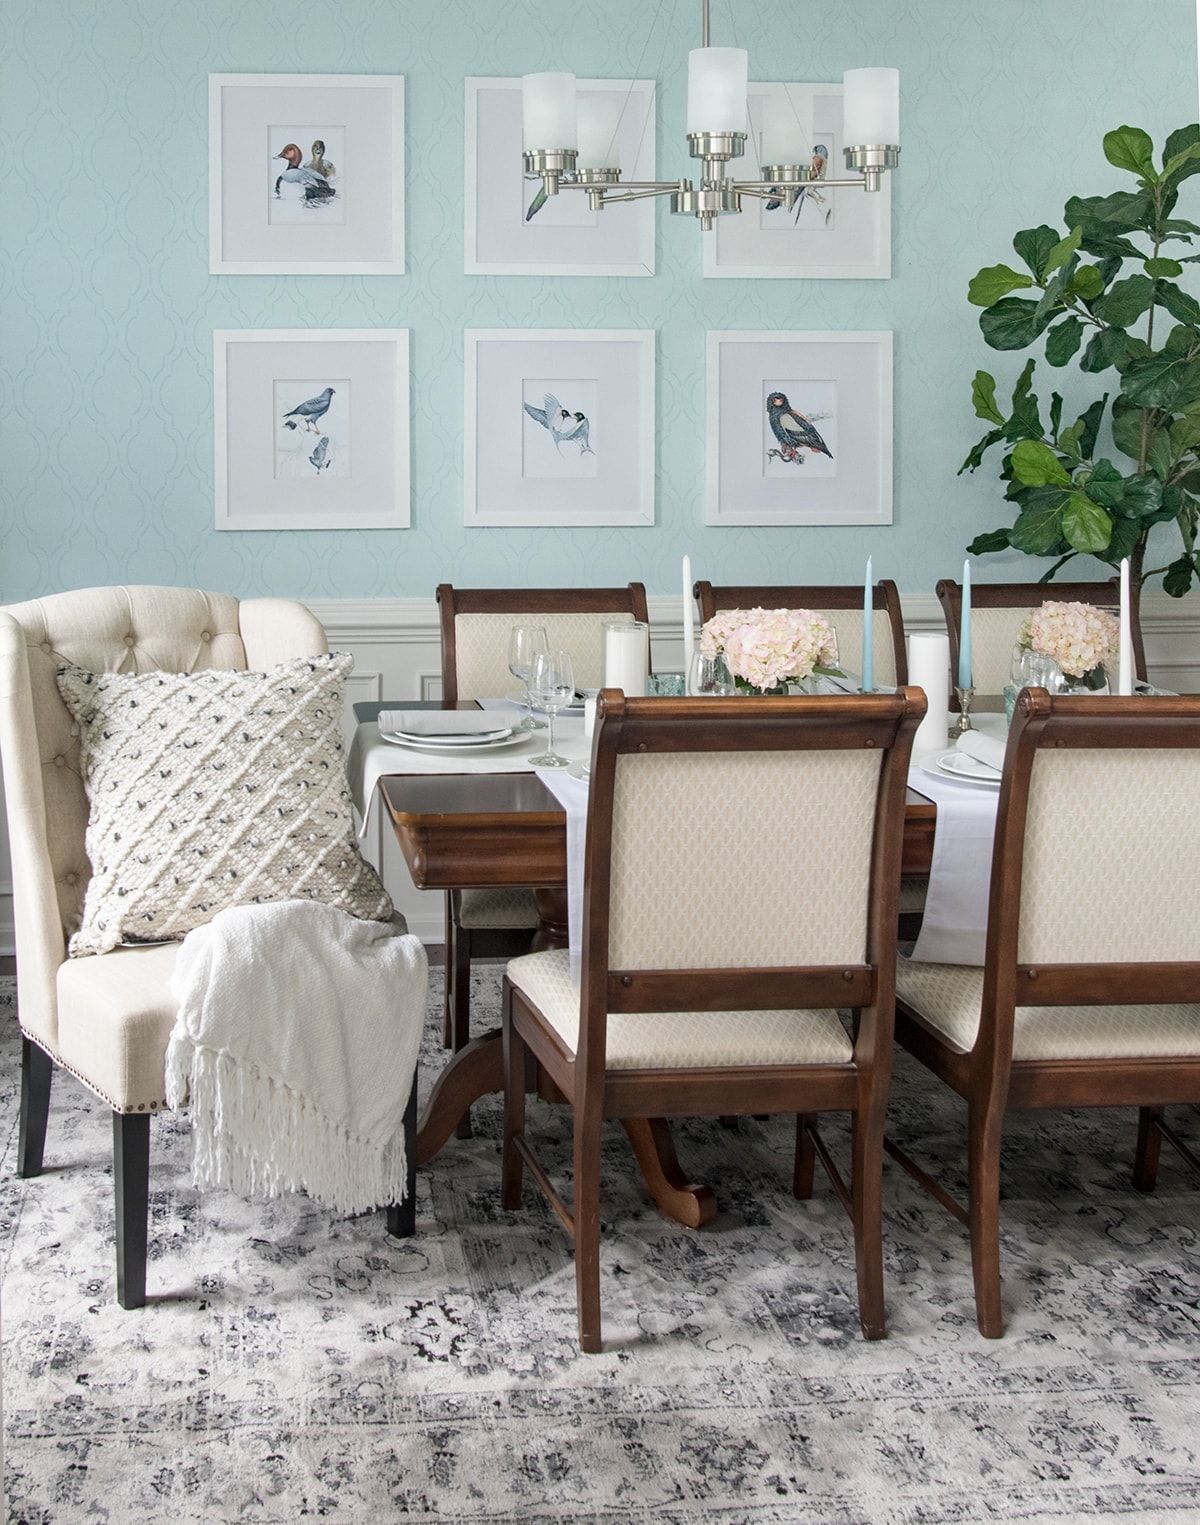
x=598 y=119
x=717 y=80
x=548 y=114
x=871 y=107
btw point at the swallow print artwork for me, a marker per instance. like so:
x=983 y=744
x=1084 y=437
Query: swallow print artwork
x=312 y=437
x=305 y=181
x=800 y=425
x=558 y=421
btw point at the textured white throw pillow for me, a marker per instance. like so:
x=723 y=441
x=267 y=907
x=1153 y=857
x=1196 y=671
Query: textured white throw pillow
x=214 y=789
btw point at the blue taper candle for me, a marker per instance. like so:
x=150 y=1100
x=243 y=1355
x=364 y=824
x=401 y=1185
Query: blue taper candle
x=964 y=631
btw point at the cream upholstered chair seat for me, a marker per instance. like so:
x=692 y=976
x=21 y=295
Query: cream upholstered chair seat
x=107 y=1017
x=949 y=998
x=1090 y=990
x=680 y=1040
x=723 y=923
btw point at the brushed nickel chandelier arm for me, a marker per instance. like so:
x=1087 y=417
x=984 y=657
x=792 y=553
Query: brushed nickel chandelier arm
x=717 y=98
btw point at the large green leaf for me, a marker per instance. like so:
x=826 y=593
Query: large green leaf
x=1107 y=216
x=1185 y=435
x=1182 y=340
x=989 y=541
x=1123 y=304
x=976 y=453
x=1063 y=340
x=1010 y=323
x=1163 y=268
x=1105 y=349
x=1177 y=579
x=1086 y=525
x=1068 y=441
x=1035 y=246
x=1126 y=535
x=1181 y=159
x=1036 y=465
x=1062 y=251
x=1143 y=497
x=993 y=283
x=1132 y=149
x=1179 y=141
x=1178 y=303
x=1127 y=427
x=1161 y=381
x=1087 y=283
x=1056 y=407
x=1104 y=484
x=1091 y=418
x=983 y=395
x=1158 y=456
x=1038 y=529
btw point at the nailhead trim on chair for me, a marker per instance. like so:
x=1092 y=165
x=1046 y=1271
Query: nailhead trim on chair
x=142 y=1106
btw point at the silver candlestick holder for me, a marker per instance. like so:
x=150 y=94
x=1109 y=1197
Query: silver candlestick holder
x=963 y=723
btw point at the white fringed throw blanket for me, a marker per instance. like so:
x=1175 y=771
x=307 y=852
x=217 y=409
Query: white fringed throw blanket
x=296 y=1042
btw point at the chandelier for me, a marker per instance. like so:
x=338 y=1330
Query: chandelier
x=583 y=137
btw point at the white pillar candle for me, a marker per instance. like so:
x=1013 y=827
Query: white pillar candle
x=929 y=668
x=1125 y=649
x=689 y=618
x=626 y=657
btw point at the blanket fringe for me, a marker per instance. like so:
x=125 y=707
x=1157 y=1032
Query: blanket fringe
x=297 y=1147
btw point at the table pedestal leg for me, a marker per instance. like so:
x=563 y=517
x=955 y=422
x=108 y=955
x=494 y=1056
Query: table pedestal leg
x=673 y=1195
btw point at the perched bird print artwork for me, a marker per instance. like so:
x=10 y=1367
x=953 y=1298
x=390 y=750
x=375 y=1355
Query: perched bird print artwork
x=299 y=183
x=794 y=431
x=808 y=195
x=320 y=456
x=308 y=412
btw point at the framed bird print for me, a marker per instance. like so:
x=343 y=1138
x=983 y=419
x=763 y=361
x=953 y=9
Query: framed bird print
x=311 y=429
x=560 y=426
x=828 y=233
x=513 y=228
x=306 y=174
x=799 y=428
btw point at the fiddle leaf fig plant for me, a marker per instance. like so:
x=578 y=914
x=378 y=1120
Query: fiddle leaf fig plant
x=1105 y=295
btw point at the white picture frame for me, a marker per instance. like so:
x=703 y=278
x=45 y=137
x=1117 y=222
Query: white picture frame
x=596 y=465
x=845 y=236
x=564 y=237
x=265 y=217
x=311 y=429
x=841 y=382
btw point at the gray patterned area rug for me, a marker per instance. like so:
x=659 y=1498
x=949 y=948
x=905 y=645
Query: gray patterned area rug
x=293 y=1365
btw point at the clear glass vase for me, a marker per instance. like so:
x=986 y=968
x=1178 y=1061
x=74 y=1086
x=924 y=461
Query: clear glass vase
x=1034 y=669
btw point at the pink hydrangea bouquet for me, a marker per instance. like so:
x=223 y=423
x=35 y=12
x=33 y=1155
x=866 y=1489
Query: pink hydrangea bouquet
x=766 y=649
x=1081 y=639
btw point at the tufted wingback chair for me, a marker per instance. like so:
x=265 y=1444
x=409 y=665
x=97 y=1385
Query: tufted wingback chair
x=106 y=1019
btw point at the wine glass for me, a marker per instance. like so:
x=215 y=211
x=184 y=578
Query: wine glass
x=524 y=643
x=553 y=688
x=710 y=677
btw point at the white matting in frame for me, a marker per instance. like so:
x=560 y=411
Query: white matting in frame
x=560 y=426
x=511 y=230
x=306 y=174
x=830 y=234
x=799 y=428
x=311 y=428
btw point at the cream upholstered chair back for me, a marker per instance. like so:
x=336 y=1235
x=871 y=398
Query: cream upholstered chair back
x=842 y=606
x=1112 y=840
x=115 y=629
x=475 y=625
x=737 y=859
x=994 y=633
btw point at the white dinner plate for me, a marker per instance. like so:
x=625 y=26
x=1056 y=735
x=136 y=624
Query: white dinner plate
x=966 y=769
x=453 y=744
x=580 y=770
x=452 y=738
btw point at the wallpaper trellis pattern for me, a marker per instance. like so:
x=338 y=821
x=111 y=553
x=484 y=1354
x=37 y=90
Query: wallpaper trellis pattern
x=108 y=310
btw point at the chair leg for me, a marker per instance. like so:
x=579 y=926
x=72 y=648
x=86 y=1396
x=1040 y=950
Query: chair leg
x=36 y=1069
x=1149 y=1143
x=515 y=1069
x=806 y=1157
x=586 y=1223
x=131 y=1181
x=984 y=1126
x=402 y=1216
x=866 y=1196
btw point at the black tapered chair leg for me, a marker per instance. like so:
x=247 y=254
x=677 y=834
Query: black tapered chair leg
x=36 y=1069
x=402 y=1216
x=131 y=1182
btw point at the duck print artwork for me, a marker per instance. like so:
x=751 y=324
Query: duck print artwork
x=305 y=175
x=312 y=435
x=800 y=429
x=558 y=424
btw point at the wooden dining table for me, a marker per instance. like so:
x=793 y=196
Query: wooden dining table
x=486 y=830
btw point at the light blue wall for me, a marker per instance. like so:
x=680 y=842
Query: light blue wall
x=106 y=455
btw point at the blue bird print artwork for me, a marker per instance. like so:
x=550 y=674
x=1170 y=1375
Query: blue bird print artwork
x=794 y=432
x=812 y=208
x=311 y=434
x=557 y=440
x=304 y=183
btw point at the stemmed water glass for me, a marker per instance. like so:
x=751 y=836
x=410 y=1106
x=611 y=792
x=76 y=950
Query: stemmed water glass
x=553 y=688
x=524 y=643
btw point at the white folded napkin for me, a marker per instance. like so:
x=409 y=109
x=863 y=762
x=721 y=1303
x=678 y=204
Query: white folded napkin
x=440 y=723
x=989 y=750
